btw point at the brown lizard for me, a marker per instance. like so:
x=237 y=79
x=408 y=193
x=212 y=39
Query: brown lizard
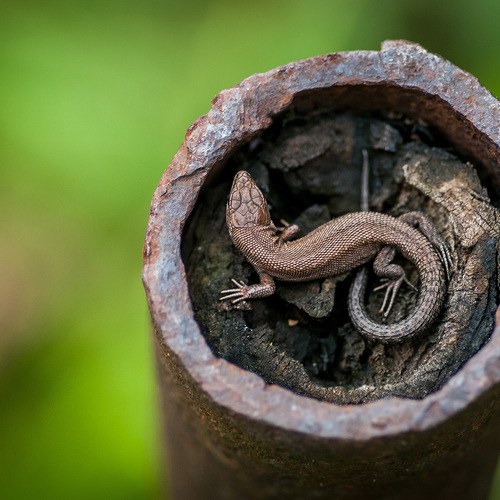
x=338 y=246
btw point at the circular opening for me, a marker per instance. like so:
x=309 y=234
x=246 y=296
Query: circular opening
x=202 y=165
x=308 y=164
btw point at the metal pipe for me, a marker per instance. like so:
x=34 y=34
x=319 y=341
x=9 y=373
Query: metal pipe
x=229 y=435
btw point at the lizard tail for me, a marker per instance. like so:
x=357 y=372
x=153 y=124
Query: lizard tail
x=425 y=312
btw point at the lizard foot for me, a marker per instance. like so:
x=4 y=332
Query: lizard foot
x=265 y=288
x=392 y=286
x=239 y=293
x=445 y=255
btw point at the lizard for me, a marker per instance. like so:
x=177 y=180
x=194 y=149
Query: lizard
x=340 y=245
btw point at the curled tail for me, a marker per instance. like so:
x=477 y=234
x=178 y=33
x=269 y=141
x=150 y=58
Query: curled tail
x=430 y=301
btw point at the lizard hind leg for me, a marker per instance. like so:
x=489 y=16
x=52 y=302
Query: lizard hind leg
x=393 y=276
x=427 y=228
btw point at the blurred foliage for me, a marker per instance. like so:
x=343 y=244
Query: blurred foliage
x=95 y=97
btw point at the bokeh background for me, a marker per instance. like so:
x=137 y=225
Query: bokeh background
x=95 y=97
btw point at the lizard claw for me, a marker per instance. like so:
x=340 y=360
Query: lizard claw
x=242 y=291
x=445 y=255
x=285 y=225
x=239 y=293
x=392 y=287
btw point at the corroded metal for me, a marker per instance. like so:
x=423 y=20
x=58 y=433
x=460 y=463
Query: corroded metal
x=230 y=435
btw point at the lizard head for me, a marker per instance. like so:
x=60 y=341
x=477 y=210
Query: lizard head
x=246 y=206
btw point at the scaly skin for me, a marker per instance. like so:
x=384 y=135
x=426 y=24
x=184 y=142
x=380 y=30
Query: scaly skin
x=338 y=246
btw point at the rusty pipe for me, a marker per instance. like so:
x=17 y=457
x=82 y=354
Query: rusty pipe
x=230 y=435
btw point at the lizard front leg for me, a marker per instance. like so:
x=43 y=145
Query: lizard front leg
x=288 y=231
x=265 y=288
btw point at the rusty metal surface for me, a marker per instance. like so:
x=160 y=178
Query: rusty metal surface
x=229 y=431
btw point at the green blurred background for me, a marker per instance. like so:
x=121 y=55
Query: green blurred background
x=95 y=97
